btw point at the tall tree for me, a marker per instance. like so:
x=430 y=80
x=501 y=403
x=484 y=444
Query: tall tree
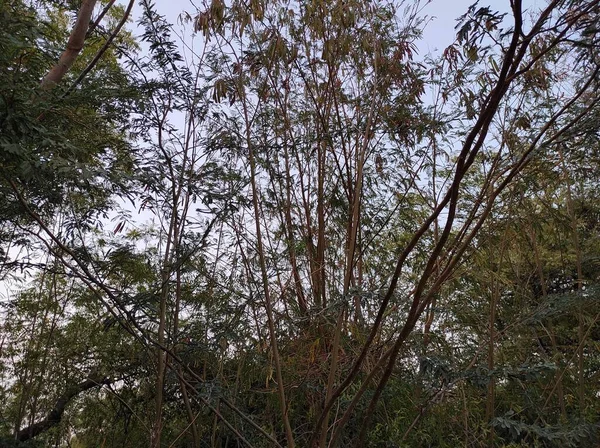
x=346 y=242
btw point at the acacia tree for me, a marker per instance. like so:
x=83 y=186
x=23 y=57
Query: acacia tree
x=58 y=178
x=49 y=157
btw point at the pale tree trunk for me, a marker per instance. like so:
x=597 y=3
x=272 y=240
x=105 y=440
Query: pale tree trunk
x=74 y=46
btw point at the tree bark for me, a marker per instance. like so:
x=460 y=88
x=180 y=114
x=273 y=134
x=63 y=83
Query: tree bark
x=74 y=46
x=55 y=415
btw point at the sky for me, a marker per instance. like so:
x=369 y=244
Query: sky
x=440 y=32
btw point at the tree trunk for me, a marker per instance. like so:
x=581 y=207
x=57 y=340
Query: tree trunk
x=55 y=415
x=74 y=46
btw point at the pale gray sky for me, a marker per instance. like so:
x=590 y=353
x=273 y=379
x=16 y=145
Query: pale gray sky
x=440 y=32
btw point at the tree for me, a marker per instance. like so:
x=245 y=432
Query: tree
x=50 y=160
x=333 y=218
x=503 y=67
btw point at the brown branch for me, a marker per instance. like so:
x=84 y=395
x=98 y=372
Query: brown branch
x=466 y=158
x=102 y=50
x=94 y=25
x=55 y=415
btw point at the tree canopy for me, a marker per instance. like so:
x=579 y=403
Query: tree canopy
x=281 y=223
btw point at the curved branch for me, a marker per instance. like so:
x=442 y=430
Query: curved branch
x=55 y=415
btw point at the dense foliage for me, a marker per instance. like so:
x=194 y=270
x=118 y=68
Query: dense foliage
x=279 y=224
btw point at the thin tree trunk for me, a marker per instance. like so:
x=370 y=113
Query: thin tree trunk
x=265 y=286
x=579 y=263
x=491 y=388
x=550 y=331
x=182 y=386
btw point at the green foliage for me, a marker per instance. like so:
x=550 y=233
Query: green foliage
x=67 y=153
x=297 y=199
x=546 y=436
